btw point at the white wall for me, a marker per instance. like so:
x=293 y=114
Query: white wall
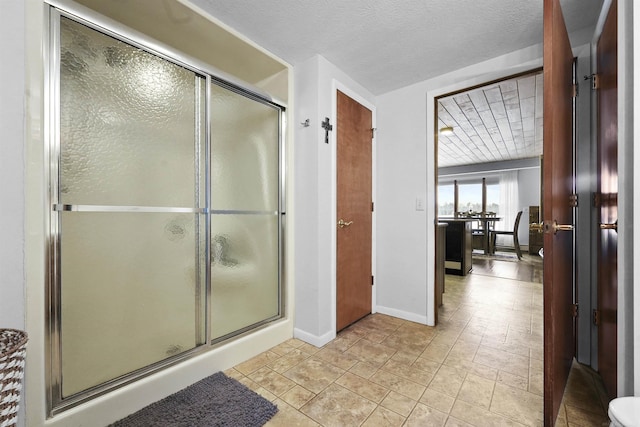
x=12 y=72
x=405 y=167
x=316 y=81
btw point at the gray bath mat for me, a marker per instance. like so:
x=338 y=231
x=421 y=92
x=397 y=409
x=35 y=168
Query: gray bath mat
x=214 y=401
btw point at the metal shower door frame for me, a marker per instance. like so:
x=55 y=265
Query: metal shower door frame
x=53 y=366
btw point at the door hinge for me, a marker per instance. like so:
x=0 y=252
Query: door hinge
x=372 y=280
x=596 y=317
x=573 y=200
x=373 y=132
x=597 y=200
x=574 y=91
x=372 y=206
x=574 y=310
x=595 y=81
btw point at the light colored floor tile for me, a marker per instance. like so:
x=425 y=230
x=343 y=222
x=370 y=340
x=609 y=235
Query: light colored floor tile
x=463 y=350
x=513 y=380
x=374 y=353
x=437 y=400
x=408 y=372
x=363 y=369
x=426 y=365
x=481 y=366
x=536 y=382
x=298 y=396
x=448 y=380
x=314 y=374
x=363 y=387
x=382 y=417
x=517 y=404
x=436 y=352
x=405 y=357
x=288 y=416
x=336 y=358
x=257 y=362
x=343 y=341
x=398 y=403
x=581 y=417
x=454 y=422
x=477 y=391
x=423 y=415
x=502 y=360
x=401 y=385
x=479 y=417
x=272 y=381
x=337 y=406
x=464 y=364
x=289 y=360
x=282 y=349
x=308 y=348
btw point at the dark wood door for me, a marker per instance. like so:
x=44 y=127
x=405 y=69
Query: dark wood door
x=557 y=191
x=607 y=63
x=354 y=210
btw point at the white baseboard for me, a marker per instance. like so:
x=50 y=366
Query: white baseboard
x=315 y=340
x=412 y=317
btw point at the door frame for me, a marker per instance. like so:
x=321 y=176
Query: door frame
x=628 y=203
x=483 y=76
x=336 y=86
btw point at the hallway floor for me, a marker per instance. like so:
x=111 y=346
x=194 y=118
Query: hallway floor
x=481 y=366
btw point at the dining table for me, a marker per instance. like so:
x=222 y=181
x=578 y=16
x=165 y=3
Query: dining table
x=484 y=220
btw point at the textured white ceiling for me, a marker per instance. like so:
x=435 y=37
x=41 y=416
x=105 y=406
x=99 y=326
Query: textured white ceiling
x=388 y=44
x=493 y=123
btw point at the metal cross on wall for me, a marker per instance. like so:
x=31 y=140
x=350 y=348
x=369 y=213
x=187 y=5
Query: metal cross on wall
x=327 y=127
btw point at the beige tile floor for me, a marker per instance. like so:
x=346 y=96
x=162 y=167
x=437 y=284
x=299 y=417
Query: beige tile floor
x=481 y=366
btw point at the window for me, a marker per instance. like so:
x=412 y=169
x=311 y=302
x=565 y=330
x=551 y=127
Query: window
x=470 y=197
x=493 y=198
x=445 y=200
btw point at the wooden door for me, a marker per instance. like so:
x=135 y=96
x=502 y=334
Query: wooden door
x=607 y=82
x=354 y=210
x=558 y=181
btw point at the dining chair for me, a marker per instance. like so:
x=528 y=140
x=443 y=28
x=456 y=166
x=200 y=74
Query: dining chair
x=478 y=230
x=514 y=233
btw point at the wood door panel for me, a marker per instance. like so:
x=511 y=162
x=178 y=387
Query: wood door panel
x=557 y=188
x=354 y=156
x=607 y=63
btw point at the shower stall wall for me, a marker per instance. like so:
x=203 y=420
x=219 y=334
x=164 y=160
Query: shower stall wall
x=166 y=207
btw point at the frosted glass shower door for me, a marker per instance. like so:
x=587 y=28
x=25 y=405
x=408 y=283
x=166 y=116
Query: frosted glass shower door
x=245 y=226
x=127 y=209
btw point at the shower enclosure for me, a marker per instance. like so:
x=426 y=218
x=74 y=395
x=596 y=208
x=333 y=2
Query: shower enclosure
x=166 y=206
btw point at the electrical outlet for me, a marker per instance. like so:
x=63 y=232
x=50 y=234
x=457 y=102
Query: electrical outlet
x=419 y=204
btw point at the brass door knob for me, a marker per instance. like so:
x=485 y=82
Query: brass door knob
x=611 y=226
x=561 y=227
x=550 y=227
x=342 y=223
x=536 y=226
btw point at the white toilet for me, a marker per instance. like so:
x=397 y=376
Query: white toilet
x=625 y=412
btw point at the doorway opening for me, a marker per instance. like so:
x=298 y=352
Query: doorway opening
x=488 y=169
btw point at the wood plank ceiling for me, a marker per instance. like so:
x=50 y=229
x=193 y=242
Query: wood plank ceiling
x=493 y=123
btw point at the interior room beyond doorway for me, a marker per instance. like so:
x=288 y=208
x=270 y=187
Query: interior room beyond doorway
x=489 y=148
